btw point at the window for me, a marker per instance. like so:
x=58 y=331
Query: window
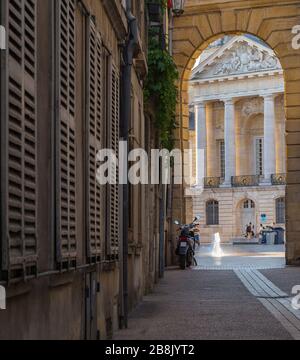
x=212 y=212
x=222 y=158
x=259 y=156
x=112 y=97
x=19 y=124
x=192 y=125
x=249 y=204
x=280 y=211
x=66 y=240
x=94 y=134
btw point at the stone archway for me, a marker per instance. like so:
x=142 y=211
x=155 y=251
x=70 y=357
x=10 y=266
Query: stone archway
x=204 y=22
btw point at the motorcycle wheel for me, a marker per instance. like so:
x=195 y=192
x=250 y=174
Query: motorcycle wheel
x=190 y=259
x=182 y=262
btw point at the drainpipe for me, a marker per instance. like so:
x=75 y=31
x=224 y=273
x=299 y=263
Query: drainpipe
x=128 y=56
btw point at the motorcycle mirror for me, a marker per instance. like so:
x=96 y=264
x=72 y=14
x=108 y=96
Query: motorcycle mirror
x=197 y=218
x=176 y=222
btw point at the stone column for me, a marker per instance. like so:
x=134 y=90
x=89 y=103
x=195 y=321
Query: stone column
x=211 y=168
x=201 y=141
x=230 y=141
x=269 y=137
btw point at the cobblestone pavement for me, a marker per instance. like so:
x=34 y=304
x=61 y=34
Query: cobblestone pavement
x=203 y=304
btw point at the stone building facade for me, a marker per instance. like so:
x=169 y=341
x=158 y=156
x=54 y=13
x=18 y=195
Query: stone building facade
x=238 y=121
x=61 y=232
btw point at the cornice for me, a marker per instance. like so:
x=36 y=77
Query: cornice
x=117 y=17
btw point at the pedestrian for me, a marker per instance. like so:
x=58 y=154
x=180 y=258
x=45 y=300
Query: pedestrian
x=249 y=230
x=261 y=229
x=253 y=231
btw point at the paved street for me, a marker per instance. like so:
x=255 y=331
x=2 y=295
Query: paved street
x=226 y=299
x=257 y=256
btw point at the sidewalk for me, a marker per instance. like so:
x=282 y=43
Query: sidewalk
x=206 y=305
x=202 y=305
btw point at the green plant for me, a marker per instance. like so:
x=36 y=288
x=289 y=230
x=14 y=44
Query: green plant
x=161 y=89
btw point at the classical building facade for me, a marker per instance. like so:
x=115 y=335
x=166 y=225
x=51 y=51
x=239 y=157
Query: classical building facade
x=238 y=122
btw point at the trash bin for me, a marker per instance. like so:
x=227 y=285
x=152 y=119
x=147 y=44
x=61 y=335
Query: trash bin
x=263 y=237
x=280 y=236
x=271 y=237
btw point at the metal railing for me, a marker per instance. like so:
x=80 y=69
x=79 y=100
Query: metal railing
x=212 y=182
x=278 y=179
x=245 y=181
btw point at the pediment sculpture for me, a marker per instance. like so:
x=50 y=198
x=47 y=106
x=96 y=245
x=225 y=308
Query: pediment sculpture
x=243 y=59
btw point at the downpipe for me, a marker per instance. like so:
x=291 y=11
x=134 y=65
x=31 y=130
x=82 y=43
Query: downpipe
x=128 y=56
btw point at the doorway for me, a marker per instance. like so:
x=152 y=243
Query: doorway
x=247 y=212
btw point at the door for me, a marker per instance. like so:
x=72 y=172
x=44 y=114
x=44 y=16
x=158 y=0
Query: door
x=247 y=215
x=91 y=290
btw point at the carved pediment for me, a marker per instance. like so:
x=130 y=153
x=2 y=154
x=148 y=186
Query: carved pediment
x=240 y=56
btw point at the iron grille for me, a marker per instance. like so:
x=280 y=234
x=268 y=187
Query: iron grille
x=245 y=181
x=279 y=179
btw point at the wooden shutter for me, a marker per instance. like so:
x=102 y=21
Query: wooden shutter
x=113 y=193
x=94 y=133
x=66 y=246
x=19 y=141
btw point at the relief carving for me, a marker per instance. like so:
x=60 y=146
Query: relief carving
x=247 y=59
x=252 y=106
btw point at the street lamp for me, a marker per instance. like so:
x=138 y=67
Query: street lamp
x=178 y=7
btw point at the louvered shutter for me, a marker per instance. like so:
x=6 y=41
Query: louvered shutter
x=94 y=133
x=66 y=133
x=113 y=193
x=19 y=141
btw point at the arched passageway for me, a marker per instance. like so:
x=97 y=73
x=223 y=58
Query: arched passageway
x=273 y=23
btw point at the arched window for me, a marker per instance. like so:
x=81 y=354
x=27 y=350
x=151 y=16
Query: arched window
x=249 y=204
x=212 y=212
x=280 y=210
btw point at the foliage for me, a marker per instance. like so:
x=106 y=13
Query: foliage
x=161 y=89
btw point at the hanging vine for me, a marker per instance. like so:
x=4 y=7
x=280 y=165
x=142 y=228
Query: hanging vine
x=160 y=87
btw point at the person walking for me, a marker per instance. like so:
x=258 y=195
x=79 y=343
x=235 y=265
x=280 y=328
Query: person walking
x=249 y=230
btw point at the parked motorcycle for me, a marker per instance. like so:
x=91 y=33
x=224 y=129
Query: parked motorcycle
x=187 y=243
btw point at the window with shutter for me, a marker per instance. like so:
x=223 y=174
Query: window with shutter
x=19 y=141
x=66 y=245
x=94 y=133
x=212 y=212
x=113 y=136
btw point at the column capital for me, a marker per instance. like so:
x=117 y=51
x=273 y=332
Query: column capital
x=200 y=104
x=229 y=101
x=269 y=97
